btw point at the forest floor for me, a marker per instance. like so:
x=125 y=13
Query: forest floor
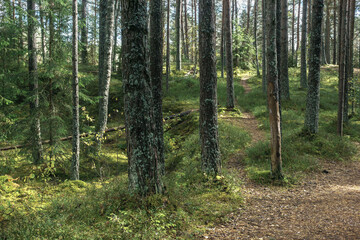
x=324 y=205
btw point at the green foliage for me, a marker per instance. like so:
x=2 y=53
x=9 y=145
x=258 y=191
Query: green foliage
x=243 y=48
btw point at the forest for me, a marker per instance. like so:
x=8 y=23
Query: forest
x=179 y=119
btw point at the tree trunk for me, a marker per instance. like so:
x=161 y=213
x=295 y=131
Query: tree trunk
x=144 y=175
x=264 y=83
x=284 y=76
x=297 y=35
x=114 y=51
x=42 y=30
x=186 y=42
x=210 y=152
x=168 y=45
x=351 y=38
x=222 y=42
x=196 y=51
x=178 y=34
x=105 y=72
x=342 y=67
x=84 y=37
x=303 y=75
x=75 y=88
x=230 y=103
x=327 y=32
x=248 y=16
x=347 y=64
x=293 y=33
x=156 y=66
x=313 y=94
x=34 y=85
x=334 y=43
x=255 y=38
x=273 y=90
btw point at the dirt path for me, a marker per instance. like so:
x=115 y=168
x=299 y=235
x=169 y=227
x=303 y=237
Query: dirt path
x=326 y=205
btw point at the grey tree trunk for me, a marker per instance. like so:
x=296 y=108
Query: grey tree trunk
x=255 y=38
x=144 y=174
x=196 y=50
x=335 y=25
x=114 y=51
x=297 y=35
x=210 y=152
x=327 y=32
x=37 y=149
x=156 y=66
x=284 y=75
x=273 y=90
x=293 y=32
x=186 y=42
x=313 y=94
x=303 y=75
x=105 y=72
x=264 y=83
x=84 y=35
x=178 y=34
x=75 y=97
x=222 y=42
x=168 y=45
x=230 y=103
x=342 y=66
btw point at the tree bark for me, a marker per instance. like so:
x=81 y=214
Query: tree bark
x=178 y=34
x=335 y=25
x=37 y=149
x=342 y=67
x=351 y=38
x=156 y=66
x=114 y=51
x=222 y=42
x=168 y=45
x=144 y=175
x=284 y=75
x=105 y=72
x=293 y=33
x=186 y=42
x=273 y=90
x=248 y=16
x=327 y=32
x=75 y=98
x=230 y=103
x=84 y=35
x=264 y=81
x=297 y=35
x=255 y=38
x=303 y=75
x=210 y=152
x=313 y=94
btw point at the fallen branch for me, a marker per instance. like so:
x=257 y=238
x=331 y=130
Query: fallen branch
x=93 y=133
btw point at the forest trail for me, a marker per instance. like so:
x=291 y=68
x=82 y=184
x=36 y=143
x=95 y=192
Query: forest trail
x=325 y=205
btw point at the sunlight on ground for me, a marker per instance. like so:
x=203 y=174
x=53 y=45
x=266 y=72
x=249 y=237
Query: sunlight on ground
x=347 y=188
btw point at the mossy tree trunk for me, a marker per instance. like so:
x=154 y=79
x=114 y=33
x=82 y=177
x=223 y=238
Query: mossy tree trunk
x=156 y=66
x=210 y=152
x=303 y=75
x=143 y=172
x=273 y=90
x=342 y=65
x=37 y=149
x=75 y=97
x=105 y=71
x=230 y=103
x=313 y=94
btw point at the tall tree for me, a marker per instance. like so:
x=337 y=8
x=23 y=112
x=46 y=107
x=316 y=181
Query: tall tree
x=34 y=85
x=156 y=66
x=248 y=16
x=210 y=152
x=178 y=34
x=293 y=32
x=335 y=25
x=313 y=94
x=273 y=90
x=222 y=42
x=342 y=65
x=105 y=52
x=75 y=97
x=303 y=75
x=352 y=9
x=144 y=175
x=168 y=45
x=264 y=83
x=284 y=75
x=84 y=37
x=114 y=51
x=327 y=32
x=297 y=35
x=255 y=38
x=230 y=103
x=186 y=42
x=42 y=30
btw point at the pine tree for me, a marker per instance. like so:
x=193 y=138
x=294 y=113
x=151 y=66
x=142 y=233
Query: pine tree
x=284 y=74
x=178 y=34
x=303 y=74
x=210 y=152
x=84 y=37
x=230 y=103
x=313 y=94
